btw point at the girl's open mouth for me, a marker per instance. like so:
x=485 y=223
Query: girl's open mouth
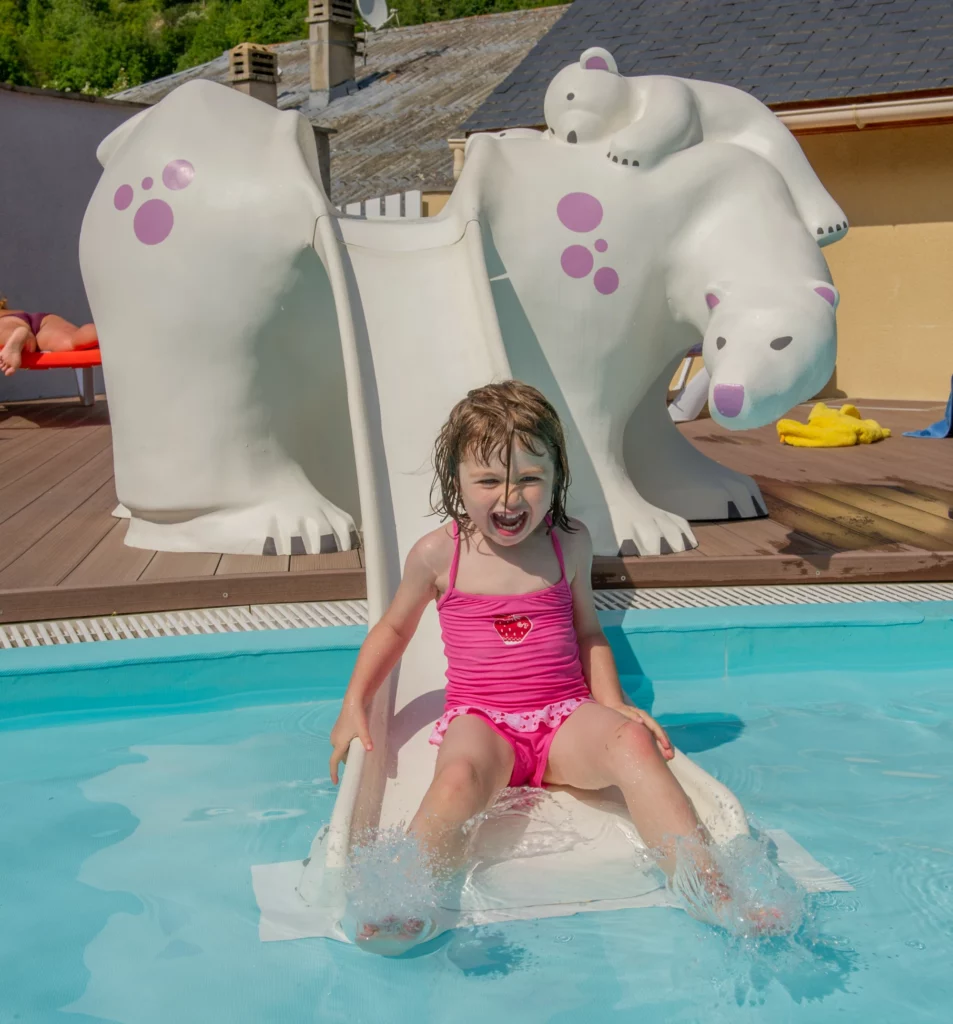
x=509 y=524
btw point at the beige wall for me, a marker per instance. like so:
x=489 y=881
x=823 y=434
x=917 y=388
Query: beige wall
x=894 y=269
x=434 y=202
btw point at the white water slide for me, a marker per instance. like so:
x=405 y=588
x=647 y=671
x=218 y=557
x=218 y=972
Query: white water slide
x=419 y=329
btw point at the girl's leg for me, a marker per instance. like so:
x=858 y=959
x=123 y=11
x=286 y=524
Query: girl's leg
x=59 y=335
x=15 y=338
x=473 y=764
x=597 y=747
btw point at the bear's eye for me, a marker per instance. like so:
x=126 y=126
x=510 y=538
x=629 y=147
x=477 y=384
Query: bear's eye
x=780 y=343
x=570 y=96
x=720 y=343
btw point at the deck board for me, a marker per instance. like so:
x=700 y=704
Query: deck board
x=878 y=527
x=335 y=560
x=60 y=499
x=18 y=494
x=239 y=565
x=59 y=551
x=925 y=502
x=870 y=513
x=34 y=451
x=181 y=565
x=883 y=505
x=111 y=561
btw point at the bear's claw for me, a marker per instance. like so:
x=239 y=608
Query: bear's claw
x=826 y=234
x=623 y=161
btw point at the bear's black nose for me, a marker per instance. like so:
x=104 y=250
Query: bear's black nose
x=571 y=137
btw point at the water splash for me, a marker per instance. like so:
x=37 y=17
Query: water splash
x=738 y=887
x=521 y=823
x=389 y=878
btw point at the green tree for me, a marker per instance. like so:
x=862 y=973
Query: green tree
x=13 y=66
x=101 y=46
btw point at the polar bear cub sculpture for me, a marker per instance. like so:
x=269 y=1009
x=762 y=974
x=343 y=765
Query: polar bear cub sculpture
x=642 y=120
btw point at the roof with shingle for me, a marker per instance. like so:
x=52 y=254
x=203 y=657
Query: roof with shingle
x=781 y=51
x=416 y=86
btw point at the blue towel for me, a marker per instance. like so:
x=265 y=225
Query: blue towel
x=942 y=428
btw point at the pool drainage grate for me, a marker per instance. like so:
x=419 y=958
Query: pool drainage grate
x=247 y=618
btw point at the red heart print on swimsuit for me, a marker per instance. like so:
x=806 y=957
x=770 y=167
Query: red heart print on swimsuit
x=513 y=629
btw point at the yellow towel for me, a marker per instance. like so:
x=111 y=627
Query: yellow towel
x=831 y=428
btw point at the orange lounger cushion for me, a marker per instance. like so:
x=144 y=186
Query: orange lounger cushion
x=76 y=360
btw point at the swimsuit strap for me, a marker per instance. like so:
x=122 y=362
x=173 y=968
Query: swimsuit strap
x=557 y=547
x=454 y=565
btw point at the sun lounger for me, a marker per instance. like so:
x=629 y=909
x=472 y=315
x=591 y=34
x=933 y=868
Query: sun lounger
x=80 y=360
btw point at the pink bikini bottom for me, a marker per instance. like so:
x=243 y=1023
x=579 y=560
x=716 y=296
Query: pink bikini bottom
x=529 y=733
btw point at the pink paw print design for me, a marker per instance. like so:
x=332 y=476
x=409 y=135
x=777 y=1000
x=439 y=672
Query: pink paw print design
x=582 y=213
x=154 y=219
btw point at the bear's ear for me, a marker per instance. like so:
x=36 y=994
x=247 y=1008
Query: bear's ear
x=713 y=296
x=828 y=293
x=107 y=148
x=597 y=59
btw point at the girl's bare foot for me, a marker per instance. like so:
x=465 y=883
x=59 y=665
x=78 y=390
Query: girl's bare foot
x=394 y=935
x=11 y=355
x=709 y=898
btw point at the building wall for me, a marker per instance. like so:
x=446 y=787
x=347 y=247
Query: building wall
x=894 y=269
x=433 y=202
x=47 y=174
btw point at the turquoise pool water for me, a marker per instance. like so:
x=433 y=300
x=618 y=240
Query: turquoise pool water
x=142 y=779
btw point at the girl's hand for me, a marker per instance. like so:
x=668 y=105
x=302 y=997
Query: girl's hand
x=661 y=736
x=351 y=722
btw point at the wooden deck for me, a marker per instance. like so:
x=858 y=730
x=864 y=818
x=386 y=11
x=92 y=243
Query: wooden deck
x=872 y=513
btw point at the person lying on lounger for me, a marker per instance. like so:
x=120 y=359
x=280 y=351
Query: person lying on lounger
x=31 y=332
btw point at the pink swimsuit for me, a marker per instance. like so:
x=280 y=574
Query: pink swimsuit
x=513 y=660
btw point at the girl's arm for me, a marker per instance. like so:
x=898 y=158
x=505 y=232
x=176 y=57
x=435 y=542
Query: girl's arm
x=383 y=646
x=598 y=663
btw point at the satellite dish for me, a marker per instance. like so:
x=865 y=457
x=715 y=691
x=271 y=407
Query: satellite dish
x=374 y=12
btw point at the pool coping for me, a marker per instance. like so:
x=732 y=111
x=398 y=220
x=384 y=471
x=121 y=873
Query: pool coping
x=72 y=657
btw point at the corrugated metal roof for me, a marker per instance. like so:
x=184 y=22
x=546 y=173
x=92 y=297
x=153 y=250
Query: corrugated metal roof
x=417 y=86
x=781 y=51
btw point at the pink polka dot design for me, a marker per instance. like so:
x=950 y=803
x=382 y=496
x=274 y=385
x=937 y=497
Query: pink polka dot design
x=606 y=280
x=579 y=211
x=576 y=261
x=582 y=212
x=178 y=175
x=152 y=223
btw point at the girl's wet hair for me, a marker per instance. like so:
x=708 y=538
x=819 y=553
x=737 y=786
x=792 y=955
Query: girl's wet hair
x=486 y=423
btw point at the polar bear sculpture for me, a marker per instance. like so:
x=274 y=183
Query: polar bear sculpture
x=639 y=121
x=223 y=356
x=219 y=339
x=602 y=283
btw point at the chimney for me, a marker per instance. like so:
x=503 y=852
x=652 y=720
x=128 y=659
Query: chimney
x=332 y=45
x=253 y=70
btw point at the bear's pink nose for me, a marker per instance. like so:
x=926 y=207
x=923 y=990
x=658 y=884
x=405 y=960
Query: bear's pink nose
x=729 y=398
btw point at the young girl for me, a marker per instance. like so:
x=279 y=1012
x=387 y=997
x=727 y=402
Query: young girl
x=533 y=696
x=30 y=332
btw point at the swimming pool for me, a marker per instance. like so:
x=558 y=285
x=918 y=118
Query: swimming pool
x=143 y=779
